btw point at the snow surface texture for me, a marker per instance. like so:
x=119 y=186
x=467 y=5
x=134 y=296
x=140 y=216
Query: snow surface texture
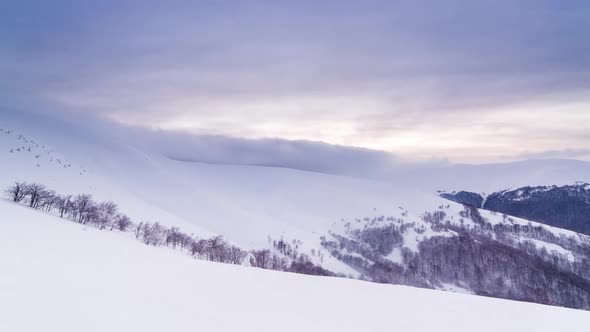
x=62 y=276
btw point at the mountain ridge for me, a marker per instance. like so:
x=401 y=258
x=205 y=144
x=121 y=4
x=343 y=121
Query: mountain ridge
x=254 y=207
x=566 y=206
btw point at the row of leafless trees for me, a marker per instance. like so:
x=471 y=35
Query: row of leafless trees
x=83 y=209
x=105 y=215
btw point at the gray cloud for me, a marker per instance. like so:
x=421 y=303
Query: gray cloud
x=258 y=47
x=557 y=154
x=343 y=71
x=301 y=155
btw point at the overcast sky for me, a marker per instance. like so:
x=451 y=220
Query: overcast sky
x=467 y=81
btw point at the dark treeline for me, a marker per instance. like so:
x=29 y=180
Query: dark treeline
x=498 y=260
x=465 y=197
x=83 y=209
x=565 y=207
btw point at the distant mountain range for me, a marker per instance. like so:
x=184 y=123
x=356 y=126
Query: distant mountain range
x=560 y=206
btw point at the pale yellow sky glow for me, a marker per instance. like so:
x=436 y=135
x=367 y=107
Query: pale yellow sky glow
x=506 y=133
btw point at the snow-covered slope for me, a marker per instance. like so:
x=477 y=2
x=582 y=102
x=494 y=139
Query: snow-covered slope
x=59 y=275
x=246 y=204
x=253 y=205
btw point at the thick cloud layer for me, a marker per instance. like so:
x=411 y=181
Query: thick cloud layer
x=92 y=133
x=419 y=78
x=182 y=146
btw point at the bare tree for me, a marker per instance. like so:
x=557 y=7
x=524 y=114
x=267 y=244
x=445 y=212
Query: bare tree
x=35 y=191
x=92 y=215
x=263 y=258
x=139 y=230
x=106 y=214
x=236 y=255
x=16 y=192
x=153 y=234
x=121 y=222
x=109 y=207
x=175 y=237
x=64 y=204
x=82 y=204
x=199 y=247
x=218 y=251
x=185 y=241
x=47 y=199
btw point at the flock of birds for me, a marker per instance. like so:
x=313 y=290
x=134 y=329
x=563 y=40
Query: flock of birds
x=37 y=151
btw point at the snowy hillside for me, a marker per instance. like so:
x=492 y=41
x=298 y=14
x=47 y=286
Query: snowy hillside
x=62 y=276
x=244 y=203
x=377 y=228
x=463 y=249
